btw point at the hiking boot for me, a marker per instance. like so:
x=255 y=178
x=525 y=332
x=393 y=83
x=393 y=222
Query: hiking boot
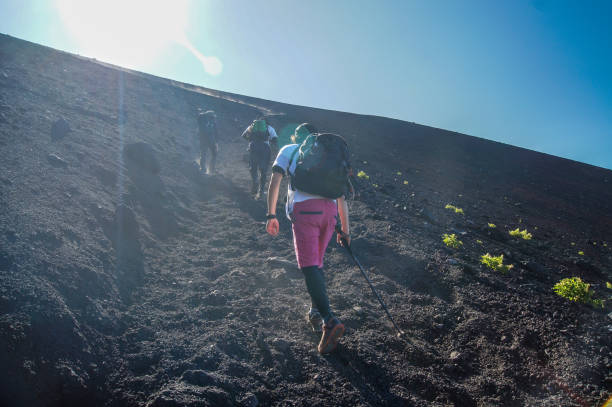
x=315 y=319
x=332 y=332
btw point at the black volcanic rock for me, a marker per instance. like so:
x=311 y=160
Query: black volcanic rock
x=59 y=129
x=125 y=225
x=142 y=155
x=127 y=278
x=57 y=161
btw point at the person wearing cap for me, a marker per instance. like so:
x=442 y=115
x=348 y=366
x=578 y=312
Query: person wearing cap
x=313 y=221
x=208 y=135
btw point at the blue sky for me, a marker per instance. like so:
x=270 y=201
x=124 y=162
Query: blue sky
x=536 y=74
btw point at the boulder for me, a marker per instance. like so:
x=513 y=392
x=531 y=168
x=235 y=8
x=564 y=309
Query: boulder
x=143 y=156
x=57 y=161
x=59 y=129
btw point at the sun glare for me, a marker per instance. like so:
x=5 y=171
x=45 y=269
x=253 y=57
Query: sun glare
x=130 y=33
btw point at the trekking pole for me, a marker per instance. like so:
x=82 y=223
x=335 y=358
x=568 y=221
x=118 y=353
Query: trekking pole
x=400 y=333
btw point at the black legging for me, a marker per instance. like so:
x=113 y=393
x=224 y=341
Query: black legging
x=315 y=283
x=259 y=160
x=206 y=145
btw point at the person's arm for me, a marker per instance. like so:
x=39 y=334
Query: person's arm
x=273 y=137
x=344 y=221
x=272 y=223
x=272 y=133
x=246 y=133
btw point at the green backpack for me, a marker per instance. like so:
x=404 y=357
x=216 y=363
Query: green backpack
x=259 y=130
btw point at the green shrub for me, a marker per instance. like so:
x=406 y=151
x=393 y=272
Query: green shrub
x=574 y=289
x=454 y=208
x=451 y=241
x=522 y=233
x=495 y=263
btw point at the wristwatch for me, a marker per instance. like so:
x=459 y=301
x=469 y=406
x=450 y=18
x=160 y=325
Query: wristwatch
x=270 y=216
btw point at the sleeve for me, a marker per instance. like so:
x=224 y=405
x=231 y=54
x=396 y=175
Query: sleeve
x=281 y=164
x=272 y=132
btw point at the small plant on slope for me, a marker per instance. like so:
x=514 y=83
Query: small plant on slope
x=574 y=289
x=361 y=174
x=454 y=208
x=495 y=263
x=451 y=241
x=522 y=233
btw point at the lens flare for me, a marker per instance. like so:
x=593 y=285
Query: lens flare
x=133 y=34
x=212 y=65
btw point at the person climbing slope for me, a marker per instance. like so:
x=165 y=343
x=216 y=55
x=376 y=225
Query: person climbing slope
x=208 y=134
x=260 y=135
x=314 y=201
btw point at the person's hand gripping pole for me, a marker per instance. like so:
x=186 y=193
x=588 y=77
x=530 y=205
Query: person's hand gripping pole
x=342 y=238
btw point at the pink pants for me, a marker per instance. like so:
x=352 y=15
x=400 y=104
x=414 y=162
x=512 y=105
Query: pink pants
x=314 y=221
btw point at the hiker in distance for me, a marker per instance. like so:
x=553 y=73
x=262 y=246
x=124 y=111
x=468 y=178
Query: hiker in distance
x=207 y=131
x=260 y=135
x=314 y=199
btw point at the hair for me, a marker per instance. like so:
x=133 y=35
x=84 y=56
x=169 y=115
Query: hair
x=302 y=131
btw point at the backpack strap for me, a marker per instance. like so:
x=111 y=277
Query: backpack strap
x=291 y=158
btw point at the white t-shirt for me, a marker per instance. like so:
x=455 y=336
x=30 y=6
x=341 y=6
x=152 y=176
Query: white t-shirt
x=272 y=133
x=282 y=162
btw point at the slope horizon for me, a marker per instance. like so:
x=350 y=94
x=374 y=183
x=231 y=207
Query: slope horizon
x=221 y=91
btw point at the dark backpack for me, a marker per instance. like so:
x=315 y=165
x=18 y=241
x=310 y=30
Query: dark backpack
x=259 y=130
x=207 y=125
x=322 y=166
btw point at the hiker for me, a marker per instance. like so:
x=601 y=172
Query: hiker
x=260 y=135
x=207 y=131
x=313 y=218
